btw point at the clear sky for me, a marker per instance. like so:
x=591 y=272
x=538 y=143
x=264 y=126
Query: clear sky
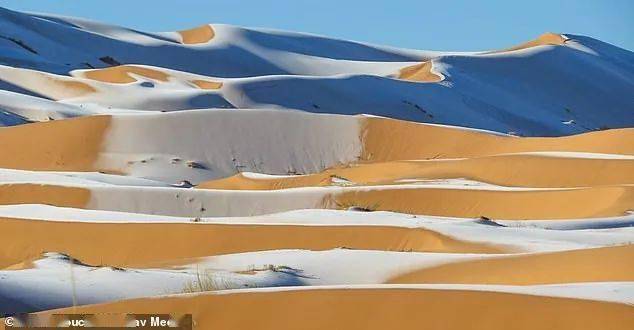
x=432 y=25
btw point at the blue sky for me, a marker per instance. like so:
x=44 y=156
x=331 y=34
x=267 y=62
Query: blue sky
x=433 y=25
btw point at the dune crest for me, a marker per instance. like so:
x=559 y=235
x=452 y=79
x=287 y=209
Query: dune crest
x=389 y=139
x=270 y=179
x=60 y=145
x=49 y=85
x=422 y=72
x=512 y=205
x=121 y=74
x=519 y=170
x=197 y=35
x=546 y=39
x=74 y=144
x=26 y=193
x=125 y=74
x=66 y=88
x=589 y=265
x=391 y=308
x=117 y=244
x=206 y=84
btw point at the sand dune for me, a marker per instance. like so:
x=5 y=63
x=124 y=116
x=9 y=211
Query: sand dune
x=386 y=139
x=589 y=265
x=544 y=204
x=88 y=144
x=206 y=84
x=554 y=112
x=45 y=84
x=118 y=244
x=436 y=200
x=44 y=194
x=513 y=235
x=547 y=38
x=114 y=86
x=271 y=67
x=496 y=188
x=525 y=170
x=420 y=72
x=124 y=74
x=74 y=144
x=197 y=35
x=66 y=145
x=381 y=309
x=121 y=74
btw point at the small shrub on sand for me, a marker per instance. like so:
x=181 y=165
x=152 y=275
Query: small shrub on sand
x=206 y=281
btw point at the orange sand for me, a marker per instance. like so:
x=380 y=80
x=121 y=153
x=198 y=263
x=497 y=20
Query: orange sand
x=513 y=205
x=121 y=74
x=66 y=88
x=61 y=145
x=547 y=38
x=206 y=84
x=73 y=144
x=198 y=35
x=588 y=265
x=505 y=170
x=119 y=244
x=369 y=309
x=420 y=72
x=389 y=139
x=31 y=193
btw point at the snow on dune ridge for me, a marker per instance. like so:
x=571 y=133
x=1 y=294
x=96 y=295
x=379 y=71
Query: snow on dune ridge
x=311 y=73
x=227 y=166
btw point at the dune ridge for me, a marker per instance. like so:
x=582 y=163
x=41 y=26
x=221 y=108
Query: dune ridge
x=603 y=264
x=124 y=74
x=519 y=170
x=120 y=74
x=28 y=193
x=46 y=84
x=388 y=139
x=73 y=144
x=197 y=35
x=546 y=39
x=569 y=203
x=309 y=72
x=422 y=72
x=64 y=145
x=206 y=84
x=510 y=205
x=268 y=179
x=381 y=309
x=117 y=244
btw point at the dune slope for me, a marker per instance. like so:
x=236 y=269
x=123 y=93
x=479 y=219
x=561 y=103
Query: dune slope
x=266 y=179
x=383 y=308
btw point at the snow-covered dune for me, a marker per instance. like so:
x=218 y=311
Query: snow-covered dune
x=554 y=85
x=45 y=41
x=270 y=179
x=202 y=145
x=100 y=283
